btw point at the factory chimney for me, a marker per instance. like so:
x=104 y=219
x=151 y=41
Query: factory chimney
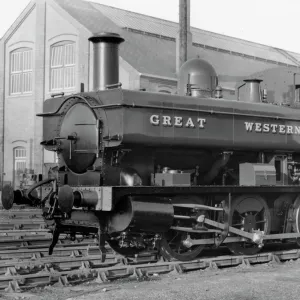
x=106 y=60
x=184 y=36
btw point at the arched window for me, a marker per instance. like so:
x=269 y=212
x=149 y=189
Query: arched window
x=21 y=71
x=62 y=66
x=20 y=160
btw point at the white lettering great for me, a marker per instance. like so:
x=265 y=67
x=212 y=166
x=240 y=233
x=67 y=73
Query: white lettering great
x=154 y=120
x=190 y=123
x=201 y=122
x=167 y=121
x=178 y=121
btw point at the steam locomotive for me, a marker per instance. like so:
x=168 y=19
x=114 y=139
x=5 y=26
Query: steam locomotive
x=175 y=173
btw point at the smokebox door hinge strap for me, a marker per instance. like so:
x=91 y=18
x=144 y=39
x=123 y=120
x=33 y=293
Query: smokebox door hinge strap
x=225 y=231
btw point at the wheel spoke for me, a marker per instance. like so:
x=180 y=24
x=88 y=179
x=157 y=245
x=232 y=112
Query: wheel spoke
x=239 y=224
x=241 y=216
x=259 y=212
x=262 y=221
x=173 y=238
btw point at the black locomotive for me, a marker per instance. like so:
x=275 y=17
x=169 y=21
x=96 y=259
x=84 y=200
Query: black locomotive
x=176 y=173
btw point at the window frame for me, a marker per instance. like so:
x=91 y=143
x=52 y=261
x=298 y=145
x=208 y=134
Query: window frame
x=19 y=156
x=65 y=65
x=22 y=70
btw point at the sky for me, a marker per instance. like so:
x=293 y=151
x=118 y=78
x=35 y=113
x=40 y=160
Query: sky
x=269 y=22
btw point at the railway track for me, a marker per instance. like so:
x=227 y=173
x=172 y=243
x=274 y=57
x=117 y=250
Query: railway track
x=32 y=243
x=21 y=219
x=77 y=249
x=16 y=276
x=25 y=263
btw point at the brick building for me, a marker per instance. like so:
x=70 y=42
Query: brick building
x=46 y=51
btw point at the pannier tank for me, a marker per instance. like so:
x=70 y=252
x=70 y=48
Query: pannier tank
x=174 y=173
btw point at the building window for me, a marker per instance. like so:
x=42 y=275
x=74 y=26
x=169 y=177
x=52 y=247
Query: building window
x=21 y=71
x=62 y=73
x=20 y=160
x=19 y=166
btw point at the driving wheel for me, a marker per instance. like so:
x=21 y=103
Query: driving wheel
x=249 y=212
x=172 y=246
x=296 y=218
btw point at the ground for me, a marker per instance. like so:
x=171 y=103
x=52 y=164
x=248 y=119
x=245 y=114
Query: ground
x=268 y=281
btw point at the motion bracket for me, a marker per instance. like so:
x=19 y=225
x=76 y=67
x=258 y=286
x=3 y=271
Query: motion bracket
x=227 y=210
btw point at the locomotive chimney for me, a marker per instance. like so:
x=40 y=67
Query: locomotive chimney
x=184 y=37
x=106 y=59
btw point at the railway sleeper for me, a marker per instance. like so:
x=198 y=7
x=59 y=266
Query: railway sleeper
x=16 y=283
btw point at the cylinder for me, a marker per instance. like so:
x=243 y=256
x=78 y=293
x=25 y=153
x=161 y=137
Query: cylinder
x=252 y=90
x=67 y=198
x=106 y=59
x=149 y=214
x=85 y=198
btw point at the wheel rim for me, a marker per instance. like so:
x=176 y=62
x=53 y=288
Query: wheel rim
x=171 y=246
x=296 y=218
x=249 y=213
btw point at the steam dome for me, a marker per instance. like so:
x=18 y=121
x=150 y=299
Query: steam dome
x=201 y=76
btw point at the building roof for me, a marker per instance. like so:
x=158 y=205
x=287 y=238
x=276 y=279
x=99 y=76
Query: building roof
x=128 y=19
x=150 y=43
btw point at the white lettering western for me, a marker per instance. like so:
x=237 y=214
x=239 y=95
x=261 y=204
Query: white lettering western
x=289 y=129
x=266 y=128
x=274 y=126
x=258 y=127
x=249 y=126
x=282 y=129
